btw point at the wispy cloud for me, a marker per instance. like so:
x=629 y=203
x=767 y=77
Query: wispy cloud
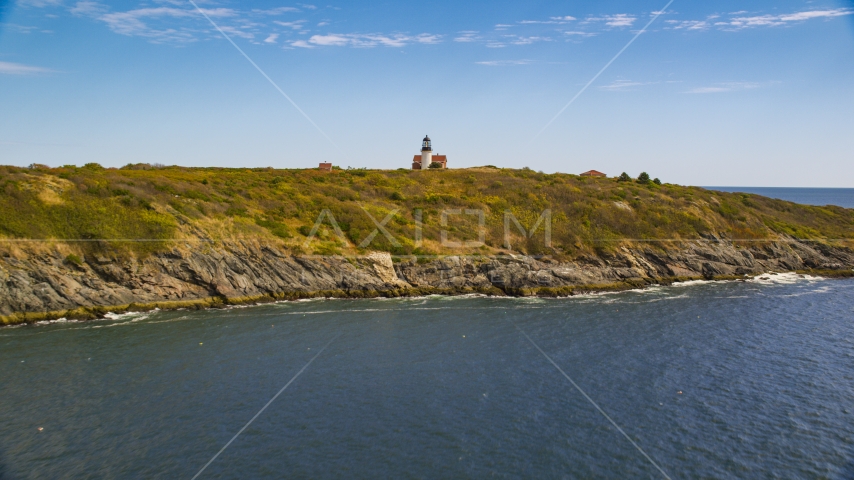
x=623 y=85
x=21 y=28
x=618 y=20
x=506 y=39
x=152 y=22
x=688 y=24
x=325 y=41
x=88 y=9
x=8 y=68
x=467 y=36
x=296 y=24
x=171 y=21
x=726 y=87
x=578 y=33
x=521 y=40
x=237 y=32
x=39 y=3
x=428 y=39
x=503 y=63
x=366 y=40
x=276 y=11
x=778 y=20
x=736 y=21
x=551 y=21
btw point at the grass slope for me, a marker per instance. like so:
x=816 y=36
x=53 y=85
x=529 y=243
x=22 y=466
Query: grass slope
x=161 y=204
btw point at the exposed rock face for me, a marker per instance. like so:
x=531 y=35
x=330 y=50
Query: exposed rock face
x=45 y=282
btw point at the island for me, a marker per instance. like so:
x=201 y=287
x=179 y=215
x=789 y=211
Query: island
x=79 y=242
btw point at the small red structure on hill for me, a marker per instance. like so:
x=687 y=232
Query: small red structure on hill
x=325 y=167
x=440 y=159
x=594 y=173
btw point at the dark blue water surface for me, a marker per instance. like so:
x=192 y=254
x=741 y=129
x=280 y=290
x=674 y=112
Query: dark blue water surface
x=446 y=387
x=841 y=197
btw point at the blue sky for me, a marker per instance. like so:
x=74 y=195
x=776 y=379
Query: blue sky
x=714 y=93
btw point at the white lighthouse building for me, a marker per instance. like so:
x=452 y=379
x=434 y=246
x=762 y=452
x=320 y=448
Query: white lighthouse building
x=426 y=158
x=426 y=152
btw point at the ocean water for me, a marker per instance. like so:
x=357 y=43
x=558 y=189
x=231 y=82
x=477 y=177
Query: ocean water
x=841 y=197
x=709 y=380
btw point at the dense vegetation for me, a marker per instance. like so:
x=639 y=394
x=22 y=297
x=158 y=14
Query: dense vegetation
x=162 y=204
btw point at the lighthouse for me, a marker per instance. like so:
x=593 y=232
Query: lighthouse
x=423 y=161
x=426 y=153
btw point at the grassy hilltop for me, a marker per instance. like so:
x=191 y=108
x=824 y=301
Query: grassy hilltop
x=281 y=206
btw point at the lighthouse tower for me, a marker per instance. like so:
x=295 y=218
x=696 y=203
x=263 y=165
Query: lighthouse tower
x=426 y=153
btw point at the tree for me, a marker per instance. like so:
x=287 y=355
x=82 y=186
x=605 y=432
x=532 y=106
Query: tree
x=624 y=177
x=435 y=165
x=643 y=178
x=657 y=181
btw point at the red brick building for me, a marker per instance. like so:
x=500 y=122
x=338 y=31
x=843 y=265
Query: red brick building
x=440 y=159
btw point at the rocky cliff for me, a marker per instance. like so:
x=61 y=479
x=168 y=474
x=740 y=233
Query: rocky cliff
x=43 y=283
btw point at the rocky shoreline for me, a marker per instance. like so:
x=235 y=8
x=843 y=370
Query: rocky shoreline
x=43 y=284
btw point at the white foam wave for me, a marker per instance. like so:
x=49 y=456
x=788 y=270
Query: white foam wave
x=825 y=289
x=787 y=278
x=667 y=297
x=691 y=283
x=130 y=321
x=122 y=316
x=657 y=292
x=53 y=322
x=178 y=319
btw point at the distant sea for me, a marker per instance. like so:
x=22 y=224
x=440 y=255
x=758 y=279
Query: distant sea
x=842 y=197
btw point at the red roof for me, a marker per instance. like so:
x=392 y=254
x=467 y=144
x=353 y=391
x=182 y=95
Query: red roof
x=593 y=173
x=441 y=159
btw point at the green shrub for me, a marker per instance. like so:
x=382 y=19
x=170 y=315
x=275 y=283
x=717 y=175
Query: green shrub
x=624 y=177
x=643 y=178
x=276 y=228
x=236 y=211
x=327 y=248
x=74 y=259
